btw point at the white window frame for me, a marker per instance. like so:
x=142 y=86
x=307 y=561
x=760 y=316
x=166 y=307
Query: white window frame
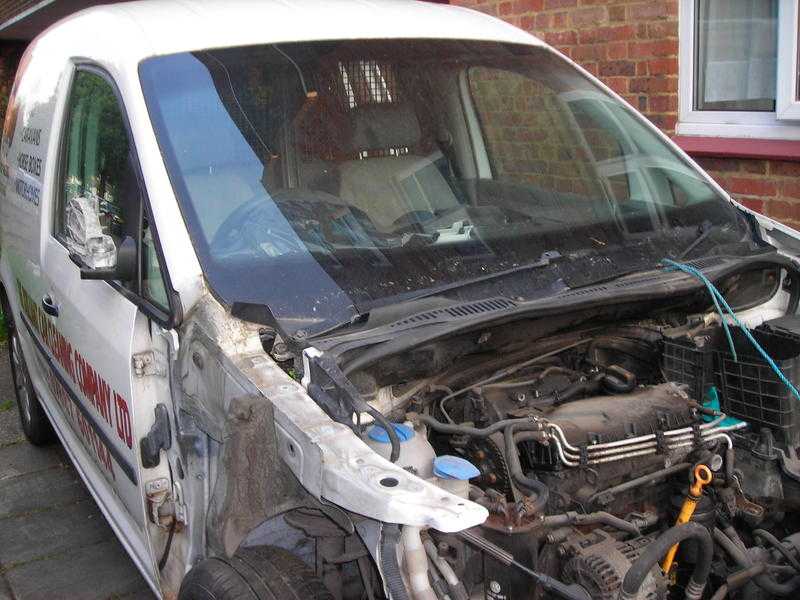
x=784 y=123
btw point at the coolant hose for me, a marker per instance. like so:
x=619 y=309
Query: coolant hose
x=457 y=589
x=655 y=552
x=416 y=564
x=765 y=581
x=512 y=460
x=390 y=537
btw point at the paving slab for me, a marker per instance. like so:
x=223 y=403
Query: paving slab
x=97 y=572
x=25 y=459
x=54 y=542
x=40 y=491
x=31 y=536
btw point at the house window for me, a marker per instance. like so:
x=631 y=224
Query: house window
x=739 y=68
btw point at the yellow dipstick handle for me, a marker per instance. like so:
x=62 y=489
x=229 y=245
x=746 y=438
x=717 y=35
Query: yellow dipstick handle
x=702 y=477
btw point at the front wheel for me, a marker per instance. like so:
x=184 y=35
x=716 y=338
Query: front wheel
x=259 y=573
x=35 y=424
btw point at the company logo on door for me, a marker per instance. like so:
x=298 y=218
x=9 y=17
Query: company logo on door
x=107 y=403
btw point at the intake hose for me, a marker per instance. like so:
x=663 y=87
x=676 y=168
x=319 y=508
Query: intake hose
x=541 y=491
x=465 y=429
x=653 y=553
x=390 y=536
x=765 y=581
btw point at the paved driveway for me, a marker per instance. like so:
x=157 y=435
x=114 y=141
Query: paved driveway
x=55 y=543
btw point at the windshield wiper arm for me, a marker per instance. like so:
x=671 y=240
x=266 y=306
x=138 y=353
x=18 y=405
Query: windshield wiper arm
x=705 y=229
x=544 y=260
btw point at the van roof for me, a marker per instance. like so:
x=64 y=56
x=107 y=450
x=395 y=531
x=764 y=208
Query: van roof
x=137 y=30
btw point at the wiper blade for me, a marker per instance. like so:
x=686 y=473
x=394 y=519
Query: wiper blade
x=544 y=260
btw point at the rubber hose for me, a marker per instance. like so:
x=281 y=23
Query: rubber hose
x=775 y=543
x=512 y=460
x=764 y=581
x=721 y=592
x=390 y=431
x=390 y=537
x=465 y=429
x=655 y=552
x=729 y=458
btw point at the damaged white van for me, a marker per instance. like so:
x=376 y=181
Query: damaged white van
x=389 y=299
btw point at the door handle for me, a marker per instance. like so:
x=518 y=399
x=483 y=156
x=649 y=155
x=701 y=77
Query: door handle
x=49 y=306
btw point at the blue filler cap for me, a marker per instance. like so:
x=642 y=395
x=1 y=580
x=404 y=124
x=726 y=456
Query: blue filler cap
x=378 y=433
x=454 y=467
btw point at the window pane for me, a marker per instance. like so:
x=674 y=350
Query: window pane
x=736 y=55
x=97 y=161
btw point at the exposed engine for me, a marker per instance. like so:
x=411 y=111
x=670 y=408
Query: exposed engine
x=585 y=453
x=633 y=459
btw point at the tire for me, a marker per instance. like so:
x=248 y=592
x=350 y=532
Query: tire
x=259 y=573
x=35 y=424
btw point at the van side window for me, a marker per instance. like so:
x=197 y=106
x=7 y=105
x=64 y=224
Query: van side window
x=99 y=166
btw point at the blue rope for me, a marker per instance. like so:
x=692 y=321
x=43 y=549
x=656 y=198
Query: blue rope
x=718 y=299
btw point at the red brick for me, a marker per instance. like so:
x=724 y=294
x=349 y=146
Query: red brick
x=653 y=48
x=641 y=69
x=526 y=6
x=730 y=165
x=790 y=189
x=664 y=103
x=756 y=167
x=617 y=67
x=662 y=29
x=664 y=122
x=789 y=169
x=550 y=4
x=617 y=50
x=615 y=33
x=755 y=204
x=618 y=84
x=544 y=21
x=748 y=186
x=590 y=52
x=561 y=38
x=648 y=11
x=526 y=22
x=616 y=13
x=649 y=85
x=784 y=211
x=560 y=20
x=663 y=66
x=588 y=16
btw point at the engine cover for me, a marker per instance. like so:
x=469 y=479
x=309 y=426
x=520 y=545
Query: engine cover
x=610 y=418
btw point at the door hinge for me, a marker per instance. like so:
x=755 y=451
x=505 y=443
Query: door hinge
x=150 y=362
x=163 y=507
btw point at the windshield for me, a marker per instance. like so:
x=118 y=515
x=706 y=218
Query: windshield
x=325 y=179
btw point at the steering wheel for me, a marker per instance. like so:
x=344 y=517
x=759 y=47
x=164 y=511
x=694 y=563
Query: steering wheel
x=236 y=233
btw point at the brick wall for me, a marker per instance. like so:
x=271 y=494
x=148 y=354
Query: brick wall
x=633 y=47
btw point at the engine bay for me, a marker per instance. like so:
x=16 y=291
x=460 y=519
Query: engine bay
x=597 y=448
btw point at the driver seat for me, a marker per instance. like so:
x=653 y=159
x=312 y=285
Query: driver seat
x=388 y=180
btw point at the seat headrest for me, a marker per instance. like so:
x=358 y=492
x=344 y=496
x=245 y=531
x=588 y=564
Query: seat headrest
x=384 y=126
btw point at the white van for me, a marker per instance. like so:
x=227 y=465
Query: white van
x=389 y=299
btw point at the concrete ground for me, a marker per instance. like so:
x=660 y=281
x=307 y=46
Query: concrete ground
x=55 y=543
